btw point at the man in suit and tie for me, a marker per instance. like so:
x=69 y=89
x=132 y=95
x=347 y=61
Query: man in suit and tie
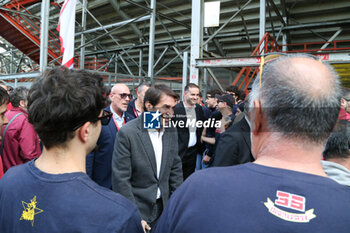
x=189 y=137
x=99 y=162
x=146 y=167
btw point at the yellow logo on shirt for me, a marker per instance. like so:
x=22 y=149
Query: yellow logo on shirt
x=30 y=210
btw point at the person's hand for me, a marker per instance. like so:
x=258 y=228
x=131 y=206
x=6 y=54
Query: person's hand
x=206 y=159
x=145 y=226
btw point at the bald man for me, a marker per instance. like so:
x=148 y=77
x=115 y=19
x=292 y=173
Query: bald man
x=293 y=109
x=98 y=162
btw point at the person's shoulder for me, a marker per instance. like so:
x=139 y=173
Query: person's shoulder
x=15 y=174
x=217 y=176
x=179 y=106
x=115 y=202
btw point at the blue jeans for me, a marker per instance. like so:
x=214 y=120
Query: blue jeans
x=199 y=162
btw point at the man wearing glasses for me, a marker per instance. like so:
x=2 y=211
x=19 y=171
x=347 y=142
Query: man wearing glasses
x=345 y=105
x=98 y=162
x=294 y=106
x=53 y=193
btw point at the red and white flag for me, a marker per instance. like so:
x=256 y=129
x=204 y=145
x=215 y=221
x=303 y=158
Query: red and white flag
x=66 y=28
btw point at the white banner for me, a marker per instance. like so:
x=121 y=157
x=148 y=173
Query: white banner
x=66 y=28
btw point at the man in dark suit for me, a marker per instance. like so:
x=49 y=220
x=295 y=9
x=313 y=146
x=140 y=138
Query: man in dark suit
x=234 y=146
x=188 y=134
x=98 y=162
x=146 y=167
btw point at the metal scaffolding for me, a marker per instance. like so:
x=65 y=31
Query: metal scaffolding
x=120 y=39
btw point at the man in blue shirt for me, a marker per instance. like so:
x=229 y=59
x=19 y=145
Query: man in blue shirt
x=294 y=106
x=53 y=193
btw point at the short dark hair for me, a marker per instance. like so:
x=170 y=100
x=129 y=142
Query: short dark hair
x=338 y=143
x=60 y=100
x=235 y=90
x=4 y=96
x=18 y=94
x=191 y=85
x=141 y=85
x=243 y=96
x=154 y=93
x=214 y=91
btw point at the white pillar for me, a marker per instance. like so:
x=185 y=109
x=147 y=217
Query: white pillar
x=44 y=34
x=196 y=38
x=151 y=41
x=262 y=22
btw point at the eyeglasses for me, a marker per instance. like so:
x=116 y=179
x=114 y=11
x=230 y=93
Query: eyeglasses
x=269 y=57
x=105 y=118
x=346 y=99
x=124 y=95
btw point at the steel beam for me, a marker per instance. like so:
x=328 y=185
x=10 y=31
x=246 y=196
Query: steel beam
x=82 y=38
x=166 y=65
x=245 y=27
x=126 y=66
x=45 y=11
x=270 y=17
x=25 y=14
x=160 y=14
x=277 y=12
x=331 y=58
x=151 y=41
x=140 y=62
x=184 y=73
x=262 y=24
x=135 y=20
x=160 y=57
x=196 y=38
x=332 y=38
x=215 y=79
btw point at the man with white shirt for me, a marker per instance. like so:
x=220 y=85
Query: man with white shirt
x=189 y=136
x=98 y=162
x=146 y=167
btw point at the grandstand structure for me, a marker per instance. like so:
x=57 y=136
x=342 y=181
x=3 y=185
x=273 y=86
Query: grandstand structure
x=166 y=40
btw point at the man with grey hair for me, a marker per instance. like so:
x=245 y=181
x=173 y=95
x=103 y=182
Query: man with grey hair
x=20 y=141
x=294 y=106
x=99 y=161
x=135 y=107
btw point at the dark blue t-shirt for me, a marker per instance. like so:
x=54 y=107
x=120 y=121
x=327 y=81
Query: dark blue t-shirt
x=255 y=198
x=34 y=201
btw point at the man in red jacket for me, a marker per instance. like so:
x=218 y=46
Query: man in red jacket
x=4 y=99
x=21 y=143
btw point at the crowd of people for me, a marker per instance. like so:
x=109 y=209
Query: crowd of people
x=77 y=157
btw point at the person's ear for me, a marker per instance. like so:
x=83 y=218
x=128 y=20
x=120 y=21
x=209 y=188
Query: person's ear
x=148 y=106
x=85 y=131
x=342 y=103
x=257 y=117
x=22 y=103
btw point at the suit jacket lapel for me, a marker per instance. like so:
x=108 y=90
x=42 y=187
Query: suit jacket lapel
x=147 y=145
